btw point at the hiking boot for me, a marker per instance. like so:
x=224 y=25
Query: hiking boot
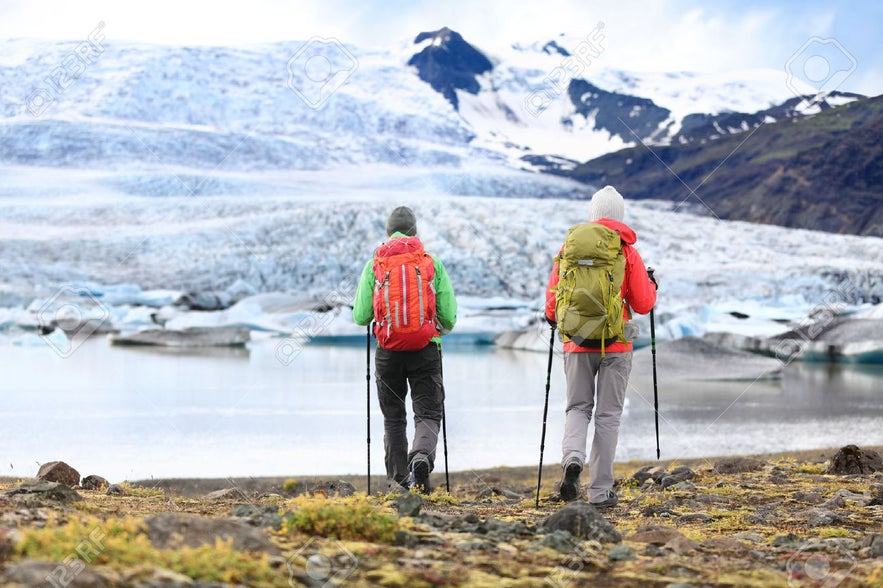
x=420 y=476
x=608 y=502
x=570 y=486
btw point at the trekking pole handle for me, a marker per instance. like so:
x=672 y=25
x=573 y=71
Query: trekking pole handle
x=650 y=271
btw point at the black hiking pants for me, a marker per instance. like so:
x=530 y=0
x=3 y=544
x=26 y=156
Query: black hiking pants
x=396 y=371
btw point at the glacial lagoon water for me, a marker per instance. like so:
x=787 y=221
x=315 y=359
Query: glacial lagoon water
x=137 y=413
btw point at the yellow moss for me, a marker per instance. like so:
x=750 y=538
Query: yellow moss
x=353 y=517
x=832 y=532
x=439 y=496
x=876 y=577
x=812 y=468
x=753 y=579
x=142 y=492
x=121 y=543
x=389 y=574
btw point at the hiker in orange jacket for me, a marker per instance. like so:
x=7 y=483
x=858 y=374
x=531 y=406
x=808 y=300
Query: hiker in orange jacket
x=596 y=381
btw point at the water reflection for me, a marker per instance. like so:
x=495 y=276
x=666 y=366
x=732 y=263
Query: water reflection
x=128 y=413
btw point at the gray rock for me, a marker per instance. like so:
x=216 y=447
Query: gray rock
x=48 y=573
x=697 y=517
x=582 y=520
x=669 y=481
x=409 y=504
x=711 y=499
x=333 y=487
x=850 y=497
x=787 y=541
x=264 y=516
x=725 y=545
x=874 y=544
x=561 y=541
x=94 y=483
x=834 y=502
x=173 y=530
x=405 y=539
x=646 y=473
x=476 y=545
x=684 y=486
x=58 y=471
x=808 y=497
x=747 y=536
x=683 y=472
x=226 y=494
x=115 y=490
x=654 y=534
x=44 y=490
x=755 y=519
x=737 y=465
x=819 y=517
x=681 y=544
x=621 y=553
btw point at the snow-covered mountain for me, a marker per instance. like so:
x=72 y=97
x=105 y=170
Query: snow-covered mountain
x=435 y=101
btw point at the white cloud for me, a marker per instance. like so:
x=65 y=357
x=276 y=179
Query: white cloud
x=670 y=35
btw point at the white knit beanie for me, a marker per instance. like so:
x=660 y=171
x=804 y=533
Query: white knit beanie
x=607 y=203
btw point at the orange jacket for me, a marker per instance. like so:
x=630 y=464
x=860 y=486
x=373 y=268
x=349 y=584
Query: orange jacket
x=638 y=292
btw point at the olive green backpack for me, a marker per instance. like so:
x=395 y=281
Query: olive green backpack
x=588 y=298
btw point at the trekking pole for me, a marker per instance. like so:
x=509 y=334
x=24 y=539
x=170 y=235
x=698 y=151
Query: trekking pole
x=444 y=421
x=368 y=397
x=545 y=414
x=445 y=443
x=650 y=271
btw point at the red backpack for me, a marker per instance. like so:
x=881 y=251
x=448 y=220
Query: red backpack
x=404 y=295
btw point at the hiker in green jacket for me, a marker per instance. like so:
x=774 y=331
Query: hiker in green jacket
x=409 y=296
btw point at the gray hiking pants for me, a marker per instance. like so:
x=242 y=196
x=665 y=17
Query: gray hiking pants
x=606 y=400
x=395 y=371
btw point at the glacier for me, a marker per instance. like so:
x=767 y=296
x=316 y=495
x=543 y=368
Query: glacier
x=163 y=173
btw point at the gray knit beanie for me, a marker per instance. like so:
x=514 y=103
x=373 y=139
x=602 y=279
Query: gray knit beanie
x=607 y=203
x=402 y=220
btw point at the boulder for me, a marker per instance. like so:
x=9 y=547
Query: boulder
x=853 y=460
x=94 y=483
x=116 y=490
x=409 y=504
x=58 y=471
x=582 y=520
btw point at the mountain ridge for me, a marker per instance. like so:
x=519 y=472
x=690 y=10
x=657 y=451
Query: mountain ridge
x=819 y=172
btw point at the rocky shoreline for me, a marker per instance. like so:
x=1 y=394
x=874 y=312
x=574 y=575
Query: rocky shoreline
x=794 y=519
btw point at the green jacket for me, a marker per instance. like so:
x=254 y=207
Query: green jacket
x=445 y=302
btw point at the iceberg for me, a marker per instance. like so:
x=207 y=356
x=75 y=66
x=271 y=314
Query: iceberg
x=190 y=337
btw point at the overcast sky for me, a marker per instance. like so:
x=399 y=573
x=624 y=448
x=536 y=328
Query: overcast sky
x=663 y=35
